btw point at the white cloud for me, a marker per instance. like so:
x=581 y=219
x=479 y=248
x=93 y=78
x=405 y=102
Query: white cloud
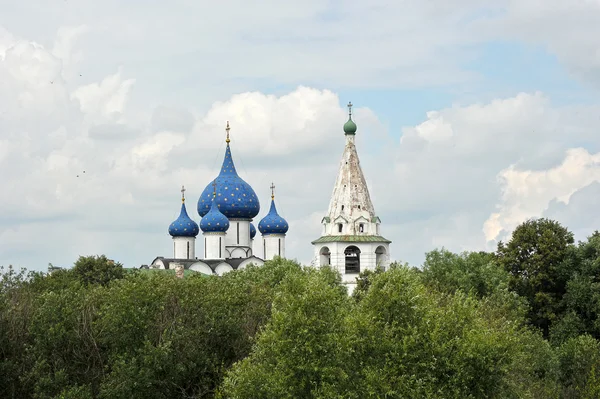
x=527 y=193
x=104 y=100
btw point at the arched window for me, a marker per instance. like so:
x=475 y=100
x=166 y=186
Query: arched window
x=380 y=256
x=352 y=255
x=361 y=228
x=324 y=257
x=340 y=226
x=188 y=250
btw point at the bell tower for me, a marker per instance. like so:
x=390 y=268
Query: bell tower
x=351 y=240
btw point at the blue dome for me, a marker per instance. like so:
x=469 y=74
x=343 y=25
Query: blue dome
x=184 y=226
x=235 y=198
x=273 y=223
x=252 y=231
x=214 y=221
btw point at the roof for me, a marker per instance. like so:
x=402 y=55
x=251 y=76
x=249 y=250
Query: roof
x=350 y=238
x=235 y=198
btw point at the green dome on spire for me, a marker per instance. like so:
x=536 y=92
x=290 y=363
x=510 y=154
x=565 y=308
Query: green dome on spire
x=350 y=126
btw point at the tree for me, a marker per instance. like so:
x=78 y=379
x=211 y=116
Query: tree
x=97 y=270
x=579 y=360
x=302 y=351
x=535 y=258
x=581 y=301
x=476 y=272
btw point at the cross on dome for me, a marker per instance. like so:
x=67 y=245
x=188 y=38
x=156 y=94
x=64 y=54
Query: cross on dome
x=227 y=130
x=272 y=190
x=182 y=193
x=350 y=126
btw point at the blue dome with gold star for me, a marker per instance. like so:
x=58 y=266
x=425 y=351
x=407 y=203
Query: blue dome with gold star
x=183 y=226
x=273 y=223
x=235 y=198
x=252 y=231
x=214 y=221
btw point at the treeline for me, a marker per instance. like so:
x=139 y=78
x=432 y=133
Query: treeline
x=521 y=322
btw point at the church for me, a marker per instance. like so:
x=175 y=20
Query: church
x=350 y=241
x=227 y=207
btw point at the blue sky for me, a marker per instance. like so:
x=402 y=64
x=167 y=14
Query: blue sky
x=471 y=119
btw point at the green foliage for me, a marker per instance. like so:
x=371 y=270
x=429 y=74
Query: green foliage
x=300 y=353
x=401 y=340
x=476 y=272
x=460 y=327
x=140 y=336
x=581 y=301
x=363 y=282
x=535 y=258
x=579 y=359
x=97 y=270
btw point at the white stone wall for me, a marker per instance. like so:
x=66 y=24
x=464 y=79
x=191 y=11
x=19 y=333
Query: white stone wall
x=273 y=245
x=201 y=267
x=214 y=245
x=250 y=261
x=239 y=252
x=181 y=245
x=351 y=224
x=369 y=259
x=223 y=268
x=238 y=233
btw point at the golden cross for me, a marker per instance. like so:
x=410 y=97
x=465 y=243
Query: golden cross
x=227 y=130
x=272 y=190
x=182 y=194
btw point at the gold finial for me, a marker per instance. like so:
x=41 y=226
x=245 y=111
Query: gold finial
x=272 y=191
x=350 y=110
x=182 y=194
x=214 y=184
x=227 y=130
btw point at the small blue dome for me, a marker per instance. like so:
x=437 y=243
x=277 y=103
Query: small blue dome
x=273 y=223
x=184 y=226
x=214 y=220
x=235 y=198
x=252 y=231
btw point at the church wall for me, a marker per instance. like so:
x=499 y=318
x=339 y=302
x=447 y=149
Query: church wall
x=184 y=247
x=201 y=267
x=251 y=261
x=337 y=257
x=238 y=233
x=239 y=252
x=214 y=246
x=273 y=245
x=223 y=268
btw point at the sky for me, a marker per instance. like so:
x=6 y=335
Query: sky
x=473 y=116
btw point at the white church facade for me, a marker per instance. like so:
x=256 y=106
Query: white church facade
x=351 y=240
x=227 y=207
